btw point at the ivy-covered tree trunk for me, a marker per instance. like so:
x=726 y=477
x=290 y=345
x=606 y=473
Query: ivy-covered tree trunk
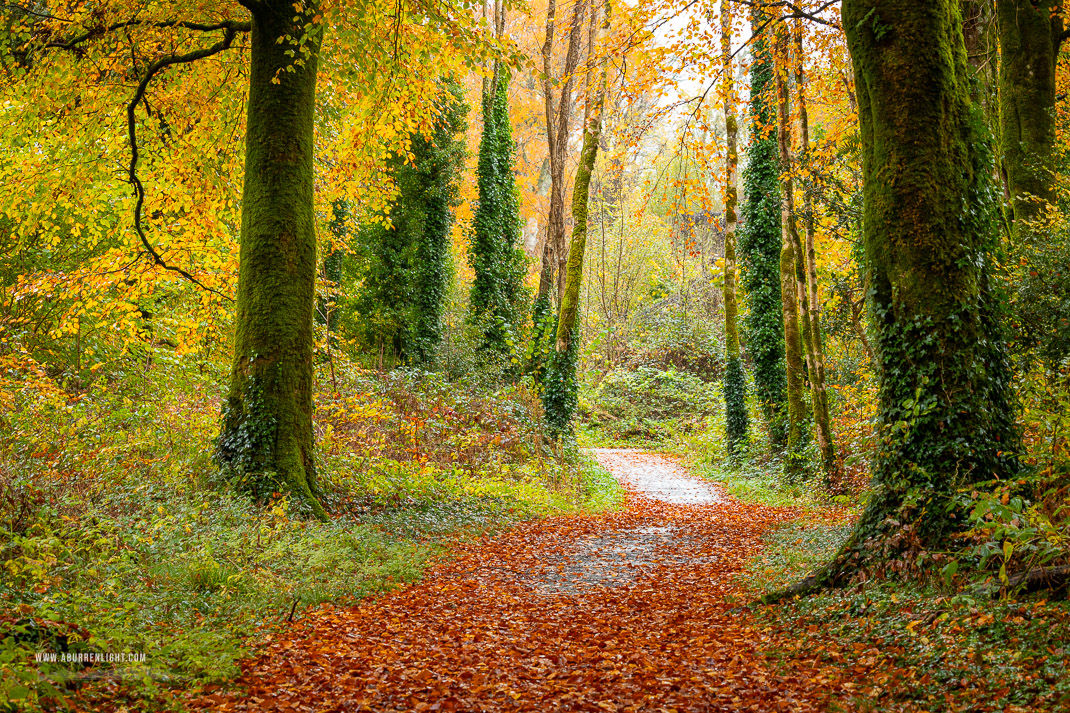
x=734 y=386
x=434 y=195
x=760 y=241
x=559 y=393
x=497 y=288
x=946 y=417
x=266 y=439
x=811 y=302
x=791 y=273
x=1030 y=35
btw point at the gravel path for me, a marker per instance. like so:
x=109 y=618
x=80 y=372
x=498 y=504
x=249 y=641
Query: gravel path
x=618 y=558
x=656 y=477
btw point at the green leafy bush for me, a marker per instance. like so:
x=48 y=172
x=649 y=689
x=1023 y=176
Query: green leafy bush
x=650 y=405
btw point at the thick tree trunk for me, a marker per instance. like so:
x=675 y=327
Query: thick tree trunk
x=734 y=384
x=760 y=242
x=812 y=299
x=945 y=416
x=1030 y=34
x=790 y=270
x=266 y=440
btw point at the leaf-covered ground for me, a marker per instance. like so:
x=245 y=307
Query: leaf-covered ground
x=633 y=610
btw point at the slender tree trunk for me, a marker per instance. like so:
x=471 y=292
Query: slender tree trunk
x=592 y=132
x=560 y=401
x=734 y=386
x=790 y=264
x=812 y=299
x=1030 y=35
x=945 y=417
x=266 y=439
x=558 y=120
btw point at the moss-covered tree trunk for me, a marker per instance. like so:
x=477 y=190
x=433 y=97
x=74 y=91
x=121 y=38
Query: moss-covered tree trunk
x=811 y=302
x=1030 y=35
x=760 y=242
x=945 y=416
x=266 y=439
x=559 y=394
x=792 y=276
x=734 y=386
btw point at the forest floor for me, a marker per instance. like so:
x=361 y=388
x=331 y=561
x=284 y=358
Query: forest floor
x=637 y=609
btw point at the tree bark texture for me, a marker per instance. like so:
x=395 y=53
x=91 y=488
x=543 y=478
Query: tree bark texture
x=1030 y=35
x=792 y=276
x=559 y=393
x=945 y=416
x=581 y=192
x=812 y=299
x=266 y=439
x=558 y=120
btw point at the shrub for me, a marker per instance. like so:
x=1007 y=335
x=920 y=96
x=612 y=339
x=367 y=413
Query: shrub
x=650 y=404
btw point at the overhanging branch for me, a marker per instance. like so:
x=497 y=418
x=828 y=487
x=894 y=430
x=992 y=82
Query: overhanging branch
x=231 y=30
x=228 y=25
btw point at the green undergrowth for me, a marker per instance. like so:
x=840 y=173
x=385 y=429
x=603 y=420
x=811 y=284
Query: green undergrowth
x=764 y=484
x=117 y=537
x=646 y=406
x=908 y=646
x=793 y=550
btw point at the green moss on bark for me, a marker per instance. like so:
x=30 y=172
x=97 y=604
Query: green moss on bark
x=559 y=392
x=792 y=279
x=266 y=440
x=946 y=417
x=1030 y=35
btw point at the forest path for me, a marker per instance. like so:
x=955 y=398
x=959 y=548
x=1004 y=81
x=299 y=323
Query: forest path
x=623 y=611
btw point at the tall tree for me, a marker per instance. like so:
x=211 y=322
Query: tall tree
x=558 y=117
x=404 y=266
x=760 y=242
x=811 y=298
x=558 y=124
x=559 y=394
x=946 y=417
x=495 y=253
x=1031 y=33
x=734 y=386
x=791 y=273
x=266 y=438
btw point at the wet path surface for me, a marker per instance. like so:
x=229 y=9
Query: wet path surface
x=631 y=610
x=657 y=477
x=616 y=558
